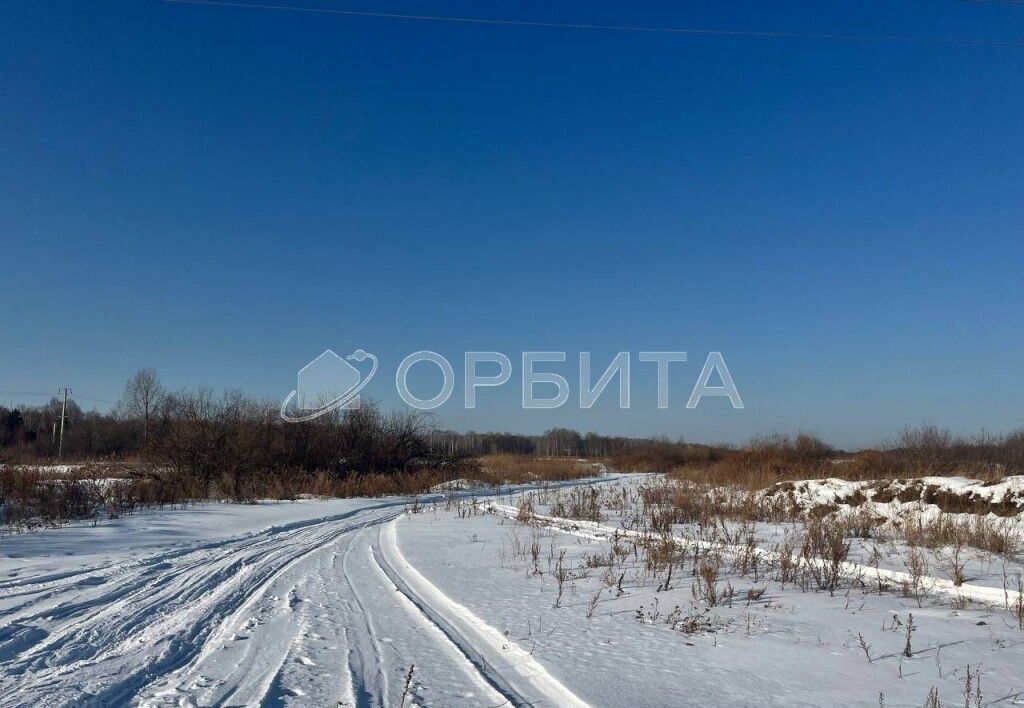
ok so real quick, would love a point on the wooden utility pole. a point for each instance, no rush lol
(63, 408)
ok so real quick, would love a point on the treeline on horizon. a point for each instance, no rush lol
(203, 438)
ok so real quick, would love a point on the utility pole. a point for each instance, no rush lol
(63, 408)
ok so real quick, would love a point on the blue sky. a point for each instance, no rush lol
(223, 193)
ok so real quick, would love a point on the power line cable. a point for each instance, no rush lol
(26, 393)
(51, 395)
(94, 399)
(960, 41)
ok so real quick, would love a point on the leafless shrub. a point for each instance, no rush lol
(696, 620)
(28, 499)
(865, 647)
(954, 562)
(562, 575)
(525, 514)
(917, 565)
(592, 605)
(876, 561)
(860, 524)
(743, 537)
(1018, 604)
(644, 616)
(789, 561)
(824, 552)
(661, 556)
(599, 560)
(534, 549)
(582, 504)
(998, 536)
(972, 688)
(705, 587)
(755, 594)
(909, 629)
(960, 602)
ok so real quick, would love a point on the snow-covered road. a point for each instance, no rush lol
(354, 602)
(321, 611)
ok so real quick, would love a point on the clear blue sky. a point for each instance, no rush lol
(223, 193)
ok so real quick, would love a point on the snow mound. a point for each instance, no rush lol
(948, 494)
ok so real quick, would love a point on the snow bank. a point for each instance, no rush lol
(893, 497)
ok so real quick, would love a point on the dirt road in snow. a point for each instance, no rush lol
(324, 612)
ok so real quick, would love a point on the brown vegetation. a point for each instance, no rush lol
(916, 452)
(521, 469)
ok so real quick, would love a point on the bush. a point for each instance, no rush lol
(237, 448)
(662, 456)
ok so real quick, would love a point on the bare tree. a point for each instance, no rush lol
(142, 394)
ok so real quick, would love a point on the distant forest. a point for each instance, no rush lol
(202, 435)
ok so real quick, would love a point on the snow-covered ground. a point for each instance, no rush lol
(450, 601)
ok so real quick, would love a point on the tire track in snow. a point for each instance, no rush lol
(495, 697)
(174, 609)
(506, 666)
(112, 635)
(364, 694)
(137, 574)
(272, 634)
(68, 578)
(256, 676)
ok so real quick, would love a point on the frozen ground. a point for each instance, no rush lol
(306, 603)
(360, 603)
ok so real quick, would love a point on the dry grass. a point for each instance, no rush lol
(946, 533)
(813, 554)
(942, 531)
(29, 497)
(916, 452)
(378, 485)
(582, 504)
(520, 469)
(719, 554)
(824, 551)
(657, 456)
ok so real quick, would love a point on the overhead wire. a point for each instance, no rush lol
(698, 31)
